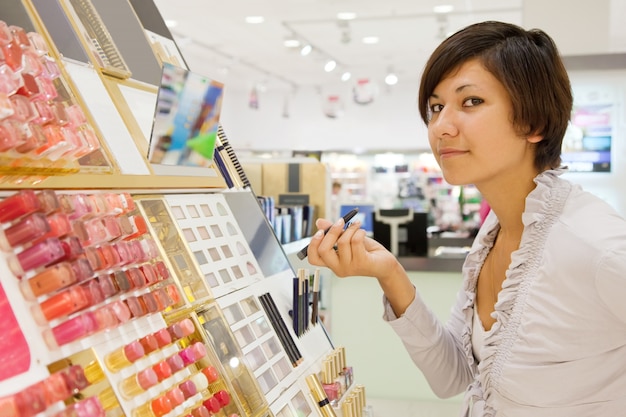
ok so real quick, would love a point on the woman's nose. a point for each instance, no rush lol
(444, 123)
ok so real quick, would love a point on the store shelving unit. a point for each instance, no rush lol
(183, 305)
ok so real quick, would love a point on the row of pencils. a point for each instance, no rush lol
(304, 297)
(227, 163)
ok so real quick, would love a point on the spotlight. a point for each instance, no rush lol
(330, 65)
(306, 49)
(346, 76)
(391, 79)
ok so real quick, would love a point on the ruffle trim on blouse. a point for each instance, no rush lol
(543, 206)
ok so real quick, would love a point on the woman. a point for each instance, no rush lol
(539, 327)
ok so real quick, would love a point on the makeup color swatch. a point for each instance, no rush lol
(216, 241)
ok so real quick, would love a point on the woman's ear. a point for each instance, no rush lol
(534, 138)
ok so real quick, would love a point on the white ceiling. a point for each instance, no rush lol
(215, 40)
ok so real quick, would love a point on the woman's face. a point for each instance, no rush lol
(470, 130)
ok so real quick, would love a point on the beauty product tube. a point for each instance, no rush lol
(124, 356)
(138, 383)
(317, 391)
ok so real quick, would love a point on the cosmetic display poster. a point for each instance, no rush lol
(186, 118)
(587, 142)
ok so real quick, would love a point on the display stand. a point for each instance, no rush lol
(124, 292)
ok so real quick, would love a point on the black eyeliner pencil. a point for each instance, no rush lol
(277, 328)
(281, 329)
(303, 252)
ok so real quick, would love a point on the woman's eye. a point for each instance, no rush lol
(436, 108)
(472, 102)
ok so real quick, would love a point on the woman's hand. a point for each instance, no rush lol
(349, 252)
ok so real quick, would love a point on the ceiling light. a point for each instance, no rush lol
(306, 49)
(370, 40)
(255, 19)
(346, 15)
(291, 43)
(346, 76)
(171, 23)
(330, 65)
(391, 79)
(443, 8)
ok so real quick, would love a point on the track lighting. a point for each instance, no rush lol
(330, 65)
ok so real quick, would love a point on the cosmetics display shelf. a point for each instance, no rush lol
(126, 293)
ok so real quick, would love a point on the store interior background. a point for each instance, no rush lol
(290, 116)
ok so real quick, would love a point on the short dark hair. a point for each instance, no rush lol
(529, 66)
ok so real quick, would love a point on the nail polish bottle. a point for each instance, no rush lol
(138, 383)
(73, 329)
(124, 356)
(19, 204)
(26, 230)
(331, 387)
(41, 254)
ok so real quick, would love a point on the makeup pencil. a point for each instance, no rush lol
(296, 306)
(316, 296)
(303, 252)
(280, 328)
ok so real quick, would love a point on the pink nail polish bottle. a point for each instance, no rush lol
(41, 254)
(29, 228)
